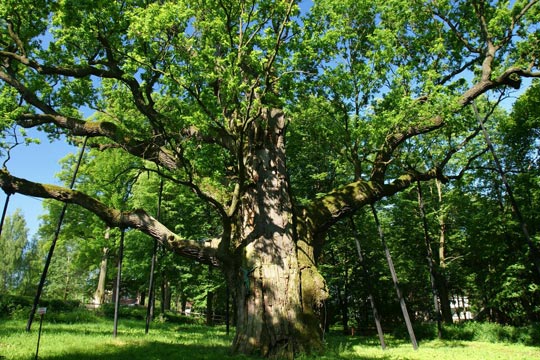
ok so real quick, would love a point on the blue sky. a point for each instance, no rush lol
(39, 163)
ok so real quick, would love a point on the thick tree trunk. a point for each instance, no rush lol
(274, 299)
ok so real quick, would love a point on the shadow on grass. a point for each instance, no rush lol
(173, 341)
(150, 350)
(163, 351)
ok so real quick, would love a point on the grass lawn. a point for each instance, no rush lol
(93, 340)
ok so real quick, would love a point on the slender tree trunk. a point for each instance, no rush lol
(99, 294)
(344, 308)
(68, 278)
(345, 305)
(151, 285)
(210, 308)
(431, 263)
(442, 283)
(342, 297)
(183, 302)
(165, 294)
(456, 306)
(141, 297)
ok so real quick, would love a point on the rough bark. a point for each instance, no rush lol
(269, 251)
(274, 302)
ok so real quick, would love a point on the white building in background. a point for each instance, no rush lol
(461, 309)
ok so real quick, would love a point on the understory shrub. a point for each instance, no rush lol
(18, 307)
(125, 312)
(476, 331)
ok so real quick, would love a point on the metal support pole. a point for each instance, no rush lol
(6, 203)
(41, 312)
(151, 302)
(395, 280)
(53, 244)
(376, 316)
(118, 281)
(39, 335)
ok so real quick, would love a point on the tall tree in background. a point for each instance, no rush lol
(204, 93)
(13, 243)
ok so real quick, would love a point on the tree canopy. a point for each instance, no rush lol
(282, 117)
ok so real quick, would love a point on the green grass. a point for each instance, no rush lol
(363, 348)
(65, 338)
(93, 340)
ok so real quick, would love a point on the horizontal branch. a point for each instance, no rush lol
(510, 77)
(204, 251)
(394, 140)
(145, 150)
(75, 71)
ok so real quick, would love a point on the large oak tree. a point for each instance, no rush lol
(205, 92)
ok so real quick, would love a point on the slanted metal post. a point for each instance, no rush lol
(395, 280)
(53, 244)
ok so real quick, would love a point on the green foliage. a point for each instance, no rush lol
(11, 305)
(18, 307)
(490, 332)
(176, 318)
(16, 250)
(125, 312)
(475, 331)
(522, 128)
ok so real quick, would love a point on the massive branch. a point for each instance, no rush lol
(323, 212)
(202, 251)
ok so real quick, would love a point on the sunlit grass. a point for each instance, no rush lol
(93, 340)
(357, 348)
